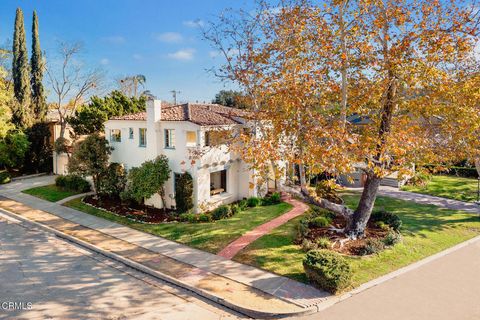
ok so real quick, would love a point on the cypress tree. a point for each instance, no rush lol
(39, 104)
(21, 113)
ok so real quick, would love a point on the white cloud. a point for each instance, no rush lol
(115, 39)
(477, 51)
(214, 53)
(137, 56)
(172, 37)
(104, 61)
(184, 54)
(194, 23)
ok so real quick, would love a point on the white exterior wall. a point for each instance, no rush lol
(198, 161)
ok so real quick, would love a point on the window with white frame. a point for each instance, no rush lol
(191, 138)
(169, 138)
(142, 137)
(116, 135)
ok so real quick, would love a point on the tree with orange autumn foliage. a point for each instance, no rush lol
(306, 67)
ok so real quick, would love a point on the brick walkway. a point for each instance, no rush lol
(233, 248)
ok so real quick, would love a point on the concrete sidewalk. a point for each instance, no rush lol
(427, 199)
(250, 288)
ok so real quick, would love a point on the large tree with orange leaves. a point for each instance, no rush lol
(306, 67)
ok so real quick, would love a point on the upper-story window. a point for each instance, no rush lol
(142, 137)
(191, 138)
(116, 135)
(215, 138)
(130, 133)
(169, 138)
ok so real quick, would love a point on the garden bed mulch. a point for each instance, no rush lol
(136, 212)
(340, 243)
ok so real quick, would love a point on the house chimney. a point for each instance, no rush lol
(154, 110)
(154, 115)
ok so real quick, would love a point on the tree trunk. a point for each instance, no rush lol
(63, 127)
(301, 173)
(357, 223)
(162, 196)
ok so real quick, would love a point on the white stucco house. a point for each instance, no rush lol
(187, 135)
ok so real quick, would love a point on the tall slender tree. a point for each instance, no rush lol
(39, 104)
(21, 113)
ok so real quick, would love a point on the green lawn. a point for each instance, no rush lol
(50, 193)
(463, 189)
(426, 230)
(211, 237)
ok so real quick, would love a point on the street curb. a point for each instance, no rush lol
(329, 302)
(137, 266)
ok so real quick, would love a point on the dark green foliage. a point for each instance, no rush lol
(40, 107)
(328, 190)
(243, 204)
(148, 179)
(392, 238)
(230, 98)
(72, 183)
(328, 270)
(463, 172)
(372, 246)
(13, 149)
(271, 200)
(184, 192)
(113, 180)
(4, 177)
(204, 217)
(253, 202)
(221, 212)
(320, 221)
(21, 109)
(91, 117)
(39, 155)
(90, 158)
(60, 145)
(389, 218)
(234, 208)
(317, 211)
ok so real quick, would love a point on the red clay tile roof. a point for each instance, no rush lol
(201, 114)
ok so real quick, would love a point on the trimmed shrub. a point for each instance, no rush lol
(4, 177)
(188, 217)
(308, 245)
(387, 217)
(382, 225)
(221, 212)
(317, 211)
(320, 221)
(204, 217)
(392, 238)
(242, 204)
(234, 209)
(303, 229)
(420, 179)
(184, 192)
(327, 270)
(372, 246)
(73, 183)
(271, 200)
(253, 202)
(323, 243)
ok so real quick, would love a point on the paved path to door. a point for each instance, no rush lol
(443, 289)
(243, 278)
(234, 247)
(427, 199)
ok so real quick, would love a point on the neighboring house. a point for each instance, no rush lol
(189, 136)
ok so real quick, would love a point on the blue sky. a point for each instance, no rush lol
(157, 38)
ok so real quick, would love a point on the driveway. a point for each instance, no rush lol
(444, 289)
(64, 281)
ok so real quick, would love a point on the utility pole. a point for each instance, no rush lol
(174, 93)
